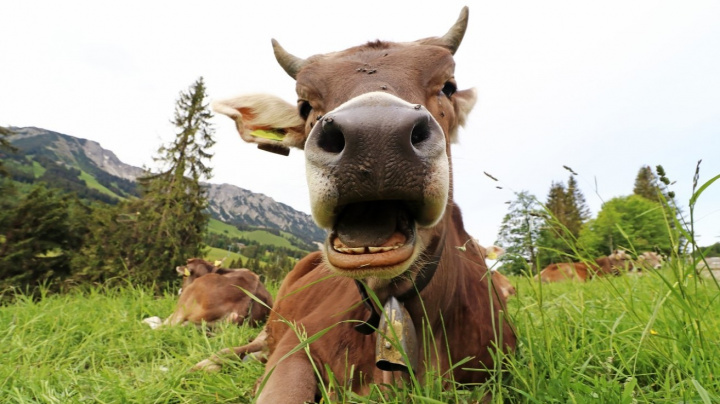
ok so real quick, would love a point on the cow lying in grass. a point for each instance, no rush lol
(211, 294)
(614, 264)
(648, 260)
(376, 122)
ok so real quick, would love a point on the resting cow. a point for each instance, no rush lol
(376, 122)
(648, 260)
(614, 264)
(211, 294)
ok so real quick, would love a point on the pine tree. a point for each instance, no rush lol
(576, 210)
(556, 202)
(646, 184)
(567, 212)
(174, 201)
(519, 233)
(41, 233)
(5, 147)
(146, 238)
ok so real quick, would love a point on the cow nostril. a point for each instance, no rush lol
(420, 133)
(332, 139)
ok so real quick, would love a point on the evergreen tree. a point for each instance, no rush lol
(518, 234)
(576, 209)
(40, 234)
(567, 211)
(646, 184)
(146, 238)
(7, 189)
(174, 201)
(5, 148)
(556, 202)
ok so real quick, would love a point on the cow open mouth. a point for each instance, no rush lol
(377, 235)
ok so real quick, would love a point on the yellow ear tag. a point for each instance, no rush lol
(187, 273)
(268, 134)
(217, 263)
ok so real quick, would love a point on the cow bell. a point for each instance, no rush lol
(396, 336)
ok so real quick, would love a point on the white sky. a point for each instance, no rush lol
(603, 87)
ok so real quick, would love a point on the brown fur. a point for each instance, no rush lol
(213, 294)
(457, 315)
(459, 303)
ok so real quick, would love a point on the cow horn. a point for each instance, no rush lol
(454, 36)
(290, 63)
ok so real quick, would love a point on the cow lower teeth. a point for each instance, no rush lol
(364, 250)
(374, 250)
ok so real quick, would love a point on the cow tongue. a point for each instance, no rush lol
(371, 224)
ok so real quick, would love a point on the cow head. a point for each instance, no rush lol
(376, 122)
(194, 269)
(649, 260)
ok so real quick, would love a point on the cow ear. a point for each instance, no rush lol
(465, 101)
(269, 121)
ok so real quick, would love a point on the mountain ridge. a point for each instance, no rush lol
(227, 202)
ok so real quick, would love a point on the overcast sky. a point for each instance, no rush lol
(603, 87)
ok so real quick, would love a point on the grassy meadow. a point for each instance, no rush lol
(628, 339)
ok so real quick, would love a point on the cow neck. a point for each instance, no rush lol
(423, 278)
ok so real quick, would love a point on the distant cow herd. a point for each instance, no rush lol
(614, 264)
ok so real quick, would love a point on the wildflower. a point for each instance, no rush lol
(653, 332)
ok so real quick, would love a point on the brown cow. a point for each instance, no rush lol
(376, 122)
(648, 260)
(613, 264)
(211, 294)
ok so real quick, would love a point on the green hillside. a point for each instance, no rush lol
(60, 162)
(218, 254)
(262, 237)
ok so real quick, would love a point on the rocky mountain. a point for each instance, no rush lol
(82, 153)
(240, 207)
(228, 203)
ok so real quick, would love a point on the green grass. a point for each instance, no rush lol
(93, 347)
(216, 226)
(650, 339)
(91, 182)
(213, 254)
(38, 169)
(261, 236)
(616, 340)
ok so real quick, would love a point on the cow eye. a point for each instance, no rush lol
(449, 89)
(304, 109)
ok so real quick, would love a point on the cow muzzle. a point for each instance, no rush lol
(378, 171)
